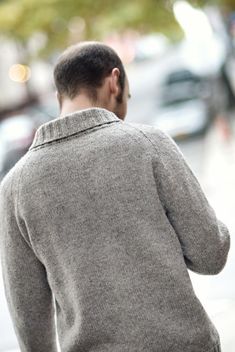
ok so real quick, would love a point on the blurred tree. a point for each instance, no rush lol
(229, 3)
(64, 22)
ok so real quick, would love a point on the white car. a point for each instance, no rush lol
(183, 119)
(16, 135)
(185, 106)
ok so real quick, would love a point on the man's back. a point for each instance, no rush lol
(109, 217)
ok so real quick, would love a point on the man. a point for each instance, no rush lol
(100, 221)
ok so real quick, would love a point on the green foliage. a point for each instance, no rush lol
(20, 19)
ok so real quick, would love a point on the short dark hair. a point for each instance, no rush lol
(84, 66)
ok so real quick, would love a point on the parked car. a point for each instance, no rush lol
(185, 105)
(16, 135)
(17, 132)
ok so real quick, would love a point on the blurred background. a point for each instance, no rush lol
(180, 60)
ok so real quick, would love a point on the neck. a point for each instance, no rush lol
(79, 103)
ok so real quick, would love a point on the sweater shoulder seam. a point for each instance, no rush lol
(138, 129)
(18, 190)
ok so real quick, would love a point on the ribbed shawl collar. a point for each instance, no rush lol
(71, 124)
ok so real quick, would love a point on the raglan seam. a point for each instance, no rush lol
(174, 148)
(154, 145)
(29, 240)
(145, 135)
(218, 344)
(191, 172)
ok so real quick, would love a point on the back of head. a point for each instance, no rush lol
(84, 66)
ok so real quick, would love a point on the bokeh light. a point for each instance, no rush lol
(19, 73)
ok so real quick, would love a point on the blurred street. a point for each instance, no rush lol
(213, 162)
(212, 158)
(186, 87)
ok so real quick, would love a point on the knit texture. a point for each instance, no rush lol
(99, 223)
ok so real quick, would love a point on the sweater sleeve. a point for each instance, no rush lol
(28, 295)
(204, 239)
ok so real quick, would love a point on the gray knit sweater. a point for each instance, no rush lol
(99, 222)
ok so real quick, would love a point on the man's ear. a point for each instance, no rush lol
(59, 98)
(114, 81)
(57, 95)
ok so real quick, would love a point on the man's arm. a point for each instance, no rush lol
(204, 239)
(28, 294)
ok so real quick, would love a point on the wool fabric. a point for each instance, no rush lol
(99, 223)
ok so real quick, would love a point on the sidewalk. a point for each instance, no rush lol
(217, 293)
